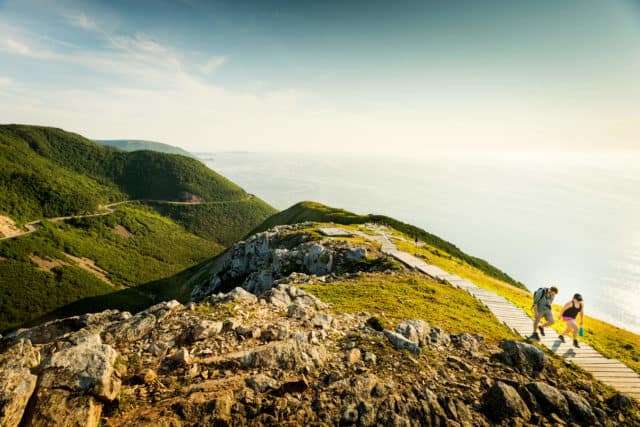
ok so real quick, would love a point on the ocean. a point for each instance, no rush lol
(564, 219)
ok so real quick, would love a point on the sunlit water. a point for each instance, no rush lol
(570, 221)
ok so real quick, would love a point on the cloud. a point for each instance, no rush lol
(81, 20)
(5, 81)
(213, 64)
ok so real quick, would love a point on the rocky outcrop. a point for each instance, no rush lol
(502, 402)
(523, 357)
(259, 262)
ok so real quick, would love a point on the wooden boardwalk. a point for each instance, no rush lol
(609, 371)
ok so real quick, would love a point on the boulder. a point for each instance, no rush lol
(523, 357)
(620, 402)
(439, 338)
(300, 311)
(87, 366)
(580, 408)
(502, 402)
(318, 260)
(549, 398)
(62, 408)
(356, 254)
(262, 383)
(400, 342)
(416, 331)
(205, 329)
(322, 320)
(16, 388)
(465, 342)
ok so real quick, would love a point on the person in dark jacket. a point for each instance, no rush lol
(570, 311)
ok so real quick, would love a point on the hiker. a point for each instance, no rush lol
(542, 301)
(569, 313)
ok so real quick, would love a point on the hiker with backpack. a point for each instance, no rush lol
(542, 301)
(569, 313)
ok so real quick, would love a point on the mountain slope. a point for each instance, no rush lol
(139, 145)
(48, 173)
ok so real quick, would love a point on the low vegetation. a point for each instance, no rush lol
(404, 295)
(156, 250)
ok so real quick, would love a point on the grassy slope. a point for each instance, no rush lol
(48, 172)
(408, 296)
(138, 145)
(158, 249)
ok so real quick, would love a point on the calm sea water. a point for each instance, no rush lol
(573, 221)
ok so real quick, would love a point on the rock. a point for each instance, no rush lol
(206, 329)
(279, 297)
(620, 402)
(318, 260)
(182, 357)
(300, 311)
(356, 254)
(248, 332)
(465, 342)
(61, 408)
(87, 366)
(438, 337)
(416, 331)
(503, 402)
(289, 354)
(580, 408)
(366, 414)
(349, 415)
(549, 398)
(231, 324)
(400, 342)
(16, 387)
(369, 357)
(322, 320)
(353, 356)
(262, 383)
(237, 295)
(524, 357)
(158, 349)
(147, 376)
(20, 354)
(294, 384)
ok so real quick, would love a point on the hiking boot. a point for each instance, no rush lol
(535, 336)
(575, 344)
(541, 329)
(561, 338)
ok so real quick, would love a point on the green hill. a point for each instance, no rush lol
(317, 212)
(139, 145)
(47, 173)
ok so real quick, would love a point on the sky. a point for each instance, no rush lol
(328, 76)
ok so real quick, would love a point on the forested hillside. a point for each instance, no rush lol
(138, 145)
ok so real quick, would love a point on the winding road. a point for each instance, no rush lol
(32, 227)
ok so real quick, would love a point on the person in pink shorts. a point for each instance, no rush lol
(569, 313)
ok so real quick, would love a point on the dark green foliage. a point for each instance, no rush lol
(47, 172)
(158, 249)
(312, 211)
(138, 145)
(222, 223)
